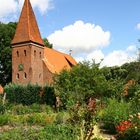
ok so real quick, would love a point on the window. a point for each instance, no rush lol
(35, 53)
(17, 76)
(25, 75)
(30, 71)
(25, 53)
(17, 54)
(40, 54)
(40, 75)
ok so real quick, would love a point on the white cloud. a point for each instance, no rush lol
(86, 40)
(131, 48)
(138, 26)
(80, 37)
(115, 58)
(9, 9)
(96, 55)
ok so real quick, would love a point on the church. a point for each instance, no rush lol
(32, 61)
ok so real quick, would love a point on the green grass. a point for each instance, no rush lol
(35, 122)
(50, 132)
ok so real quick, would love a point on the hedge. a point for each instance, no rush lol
(29, 94)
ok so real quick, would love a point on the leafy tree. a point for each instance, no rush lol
(7, 32)
(133, 71)
(84, 81)
(47, 43)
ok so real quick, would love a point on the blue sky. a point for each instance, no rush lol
(120, 17)
(117, 37)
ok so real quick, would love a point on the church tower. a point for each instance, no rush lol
(27, 49)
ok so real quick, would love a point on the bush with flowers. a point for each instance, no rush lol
(130, 129)
(114, 113)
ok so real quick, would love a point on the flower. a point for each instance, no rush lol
(123, 126)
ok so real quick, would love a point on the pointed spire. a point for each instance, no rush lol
(27, 28)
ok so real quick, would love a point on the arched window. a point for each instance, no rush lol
(40, 54)
(17, 76)
(25, 75)
(40, 75)
(30, 71)
(35, 53)
(25, 53)
(17, 54)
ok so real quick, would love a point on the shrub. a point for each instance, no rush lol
(114, 113)
(2, 109)
(36, 118)
(23, 94)
(50, 132)
(130, 130)
(86, 80)
(20, 109)
(62, 117)
(48, 95)
(24, 134)
(4, 119)
(61, 132)
(130, 134)
(29, 94)
(136, 100)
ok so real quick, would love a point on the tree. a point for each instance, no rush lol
(47, 43)
(7, 32)
(83, 81)
(133, 71)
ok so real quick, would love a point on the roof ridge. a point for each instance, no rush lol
(57, 51)
(28, 19)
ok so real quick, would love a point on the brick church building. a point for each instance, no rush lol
(32, 61)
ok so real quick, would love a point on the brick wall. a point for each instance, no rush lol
(47, 75)
(27, 65)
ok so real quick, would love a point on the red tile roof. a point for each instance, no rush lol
(57, 61)
(27, 28)
(1, 89)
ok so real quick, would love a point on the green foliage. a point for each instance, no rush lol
(132, 69)
(133, 96)
(23, 94)
(75, 87)
(29, 94)
(7, 32)
(36, 119)
(50, 132)
(20, 109)
(47, 43)
(114, 72)
(86, 80)
(114, 113)
(136, 101)
(4, 119)
(62, 118)
(48, 95)
(61, 132)
(2, 107)
(131, 134)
